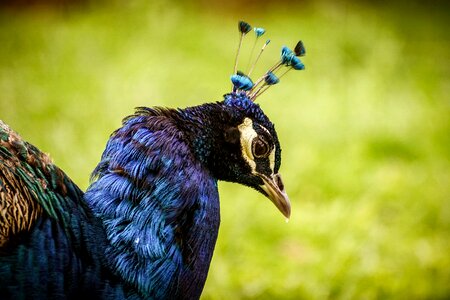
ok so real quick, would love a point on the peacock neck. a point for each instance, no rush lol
(160, 209)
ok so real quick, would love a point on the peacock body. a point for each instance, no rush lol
(148, 223)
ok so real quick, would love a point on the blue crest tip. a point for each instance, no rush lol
(271, 78)
(244, 27)
(259, 31)
(297, 64)
(289, 58)
(241, 82)
(286, 56)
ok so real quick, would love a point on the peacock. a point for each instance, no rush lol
(147, 225)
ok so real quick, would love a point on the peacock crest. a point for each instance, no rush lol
(242, 82)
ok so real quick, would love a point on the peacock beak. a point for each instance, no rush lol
(274, 188)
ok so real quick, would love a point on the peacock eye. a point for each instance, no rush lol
(260, 147)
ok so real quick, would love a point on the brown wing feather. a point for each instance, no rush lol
(18, 206)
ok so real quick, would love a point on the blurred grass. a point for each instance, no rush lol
(365, 130)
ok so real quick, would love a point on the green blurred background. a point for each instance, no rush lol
(365, 128)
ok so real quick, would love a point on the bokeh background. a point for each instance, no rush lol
(365, 128)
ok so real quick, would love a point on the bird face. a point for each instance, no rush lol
(261, 151)
(238, 143)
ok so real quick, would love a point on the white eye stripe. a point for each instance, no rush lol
(248, 134)
(272, 159)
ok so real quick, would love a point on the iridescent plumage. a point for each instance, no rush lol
(147, 225)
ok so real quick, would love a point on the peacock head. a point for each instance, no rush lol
(248, 150)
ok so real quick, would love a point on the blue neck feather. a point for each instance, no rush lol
(159, 206)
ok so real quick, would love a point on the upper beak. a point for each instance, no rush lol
(274, 188)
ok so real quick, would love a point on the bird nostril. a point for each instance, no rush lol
(279, 182)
